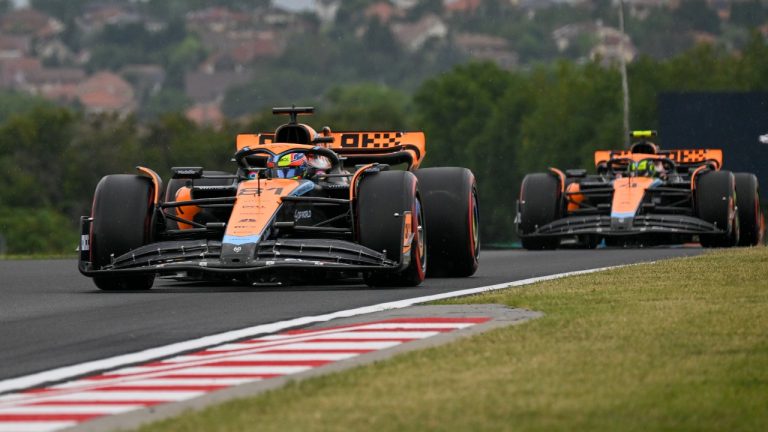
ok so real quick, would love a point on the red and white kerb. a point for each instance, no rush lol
(191, 375)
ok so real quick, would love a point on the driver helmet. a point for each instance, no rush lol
(644, 168)
(290, 166)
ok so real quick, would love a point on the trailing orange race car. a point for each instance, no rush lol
(301, 206)
(644, 196)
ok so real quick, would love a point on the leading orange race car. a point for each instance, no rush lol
(302, 206)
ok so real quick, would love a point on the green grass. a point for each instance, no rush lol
(679, 345)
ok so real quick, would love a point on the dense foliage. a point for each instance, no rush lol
(501, 124)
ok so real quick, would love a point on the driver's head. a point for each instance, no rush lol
(644, 168)
(289, 166)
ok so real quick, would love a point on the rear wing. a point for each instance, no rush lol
(389, 147)
(684, 158)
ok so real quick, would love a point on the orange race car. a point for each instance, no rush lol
(643, 196)
(301, 206)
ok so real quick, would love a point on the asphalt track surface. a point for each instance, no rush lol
(51, 316)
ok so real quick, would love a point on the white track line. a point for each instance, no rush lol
(70, 409)
(222, 370)
(268, 357)
(41, 426)
(377, 335)
(66, 372)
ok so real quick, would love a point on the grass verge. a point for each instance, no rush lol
(678, 345)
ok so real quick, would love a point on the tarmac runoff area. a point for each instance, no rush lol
(131, 396)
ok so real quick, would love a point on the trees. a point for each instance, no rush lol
(365, 106)
(750, 13)
(501, 124)
(471, 118)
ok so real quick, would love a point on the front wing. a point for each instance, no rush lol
(203, 257)
(650, 224)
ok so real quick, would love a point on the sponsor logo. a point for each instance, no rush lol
(302, 214)
(371, 140)
(212, 187)
(250, 191)
(240, 240)
(258, 191)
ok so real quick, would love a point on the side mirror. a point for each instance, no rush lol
(576, 173)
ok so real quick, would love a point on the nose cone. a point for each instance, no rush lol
(628, 193)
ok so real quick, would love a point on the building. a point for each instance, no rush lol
(106, 92)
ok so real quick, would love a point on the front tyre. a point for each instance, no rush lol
(389, 210)
(540, 204)
(122, 221)
(716, 204)
(453, 217)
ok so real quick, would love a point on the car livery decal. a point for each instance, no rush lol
(628, 193)
(256, 205)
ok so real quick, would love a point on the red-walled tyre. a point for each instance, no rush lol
(383, 200)
(749, 211)
(452, 218)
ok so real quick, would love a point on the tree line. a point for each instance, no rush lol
(501, 124)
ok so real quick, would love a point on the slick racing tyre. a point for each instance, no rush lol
(748, 208)
(383, 200)
(452, 215)
(122, 221)
(540, 204)
(716, 204)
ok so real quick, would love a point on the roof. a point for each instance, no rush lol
(485, 47)
(14, 71)
(461, 5)
(217, 18)
(206, 114)
(106, 91)
(14, 46)
(382, 10)
(30, 22)
(414, 35)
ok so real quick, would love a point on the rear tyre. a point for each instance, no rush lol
(122, 221)
(382, 201)
(716, 204)
(540, 204)
(452, 219)
(748, 209)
